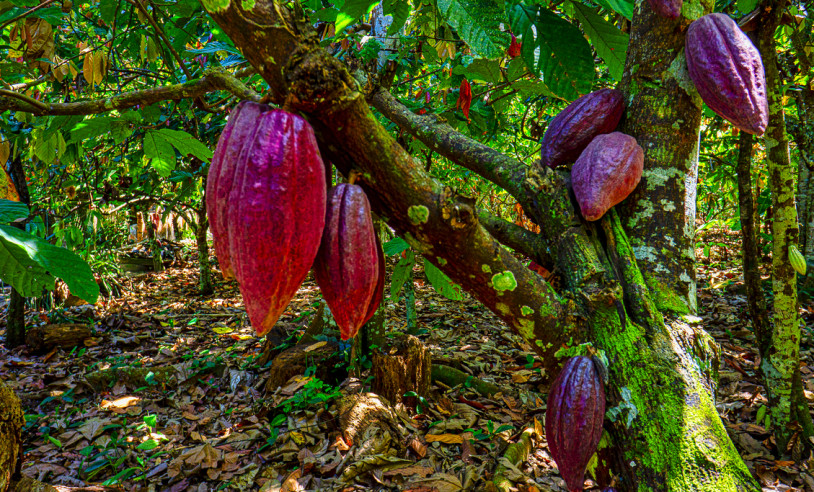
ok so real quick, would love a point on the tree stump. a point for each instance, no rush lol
(68, 335)
(294, 361)
(11, 425)
(405, 366)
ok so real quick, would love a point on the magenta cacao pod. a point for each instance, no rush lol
(575, 126)
(275, 214)
(574, 415)
(347, 267)
(727, 70)
(238, 130)
(667, 8)
(606, 172)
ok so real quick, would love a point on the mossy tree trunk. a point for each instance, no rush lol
(780, 353)
(664, 114)
(15, 324)
(675, 439)
(802, 130)
(204, 268)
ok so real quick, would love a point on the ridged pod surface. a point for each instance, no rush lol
(575, 126)
(798, 261)
(347, 268)
(275, 214)
(727, 70)
(238, 131)
(667, 8)
(574, 415)
(606, 172)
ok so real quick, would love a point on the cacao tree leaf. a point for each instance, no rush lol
(30, 264)
(609, 42)
(624, 7)
(554, 49)
(90, 128)
(160, 152)
(351, 11)
(395, 246)
(187, 144)
(88, 67)
(401, 272)
(442, 284)
(400, 10)
(481, 69)
(7, 189)
(747, 6)
(478, 23)
(11, 211)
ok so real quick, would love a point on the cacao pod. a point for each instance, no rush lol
(573, 422)
(606, 172)
(347, 267)
(667, 8)
(798, 261)
(727, 70)
(235, 134)
(575, 126)
(275, 214)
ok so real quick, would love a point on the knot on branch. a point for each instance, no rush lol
(458, 210)
(318, 81)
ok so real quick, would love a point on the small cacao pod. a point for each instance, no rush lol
(606, 172)
(347, 267)
(667, 8)
(727, 70)
(798, 261)
(235, 134)
(575, 126)
(514, 48)
(573, 421)
(275, 214)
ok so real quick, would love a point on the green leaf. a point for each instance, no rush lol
(92, 127)
(478, 23)
(442, 284)
(554, 49)
(401, 272)
(609, 42)
(624, 7)
(351, 11)
(400, 10)
(30, 264)
(148, 445)
(187, 144)
(482, 70)
(160, 152)
(11, 211)
(395, 246)
(747, 6)
(45, 149)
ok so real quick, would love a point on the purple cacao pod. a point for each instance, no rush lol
(667, 8)
(347, 266)
(727, 70)
(606, 172)
(575, 126)
(275, 214)
(573, 421)
(236, 133)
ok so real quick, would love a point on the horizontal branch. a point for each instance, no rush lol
(516, 237)
(431, 130)
(211, 82)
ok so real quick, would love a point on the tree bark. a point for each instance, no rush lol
(204, 268)
(780, 356)
(15, 326)
(675, 439)
(11, 426)
(664, 115)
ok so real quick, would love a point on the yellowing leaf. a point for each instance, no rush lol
(315, 346)
(99, 67)
(444, 438)
(222, 330)
(87, 68)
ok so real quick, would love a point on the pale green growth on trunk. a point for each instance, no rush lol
(419, 214)
(215, 5)
(504, 281)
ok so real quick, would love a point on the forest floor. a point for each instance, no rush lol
(167, 395)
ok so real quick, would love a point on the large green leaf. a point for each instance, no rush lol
(401, 272)
(478, 23)
(11, 211)
(554, 49)
(351, 11)
(609, 42)
(30, 264)
(400, 10)
(158, 146)
(624, 7)
(482, 70)
(443, 285)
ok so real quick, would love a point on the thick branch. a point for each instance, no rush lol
(516, 237)
(495, 166)
(213, 81)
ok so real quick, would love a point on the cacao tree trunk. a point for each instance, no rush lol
(11, 426)
(780, 353)
(666, 432)
(15, 325)
(749, 233)
(204, 269)
(664, 115)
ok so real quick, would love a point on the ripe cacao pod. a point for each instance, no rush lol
(347, 267)
(798, 261)
(606, 172)
(575, 126)
(275, 214)
(573, 422)
(727, 70)
(235, 134)
(667, 8)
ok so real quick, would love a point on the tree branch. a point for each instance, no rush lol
(518, 238)
(211, 82)
(495, 166)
